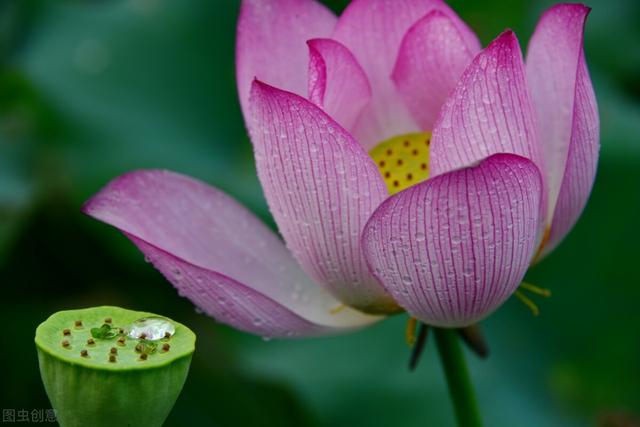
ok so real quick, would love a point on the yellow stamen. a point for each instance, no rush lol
(403, 160)
(410, 332)
(535, 289)
(543, 242)
(532, 306)
(337, 309)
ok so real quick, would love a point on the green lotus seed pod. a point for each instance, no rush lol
(107, 366)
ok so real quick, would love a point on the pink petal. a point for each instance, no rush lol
(373, 30)
(566, 112)
(271, 43)
(218, 255)
(488, 112)
(321, 187)
(582, 161)
(433, 55)
(337, 83)
(452, 249)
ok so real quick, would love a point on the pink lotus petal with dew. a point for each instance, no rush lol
(406, 168)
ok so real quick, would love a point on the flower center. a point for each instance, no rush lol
(403, 160)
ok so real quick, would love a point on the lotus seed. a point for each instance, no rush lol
(84, 353)
(90, 341)
(114, 350)
(143, 356)
(167, 335)
(108, 320)
(65, 344)
(143, 336)
(166, 347)
(139, 348)
(66, 332)
(121, 341)
(78, 323)
(112, 358)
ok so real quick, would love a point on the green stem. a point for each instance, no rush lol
(458, 381)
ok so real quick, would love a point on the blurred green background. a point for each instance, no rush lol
(92, 89)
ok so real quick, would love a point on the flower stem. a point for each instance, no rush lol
(458, 381)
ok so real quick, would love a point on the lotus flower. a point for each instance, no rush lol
(406, 169)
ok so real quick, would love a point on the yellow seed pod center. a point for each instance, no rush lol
(403, 160)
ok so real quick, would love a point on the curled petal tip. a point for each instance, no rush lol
(569, 7)
(566, 14)
(436, 13)
(93, 207)
(506, 38)
(506, 42)
(257, 85)
(312, 43)
(260, 89)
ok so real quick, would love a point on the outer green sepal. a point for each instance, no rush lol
(90, 383)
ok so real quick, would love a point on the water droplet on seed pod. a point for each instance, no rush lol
(151, 328)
